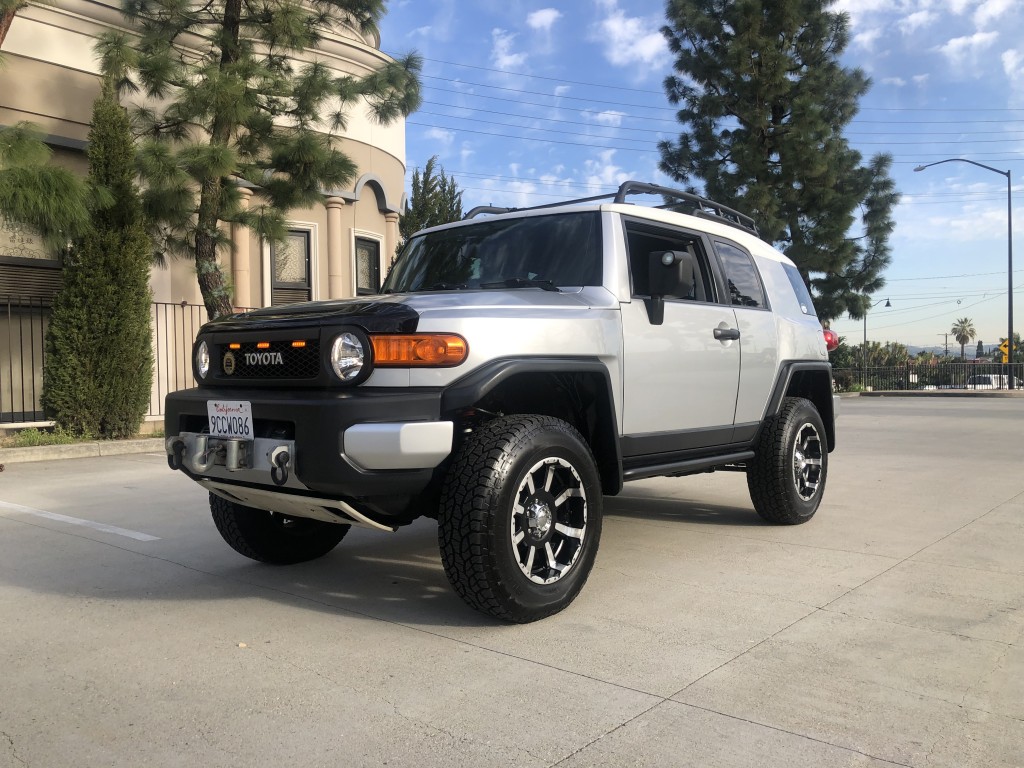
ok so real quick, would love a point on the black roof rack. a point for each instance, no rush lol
(695, 205)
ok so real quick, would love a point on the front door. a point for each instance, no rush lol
(680, 381)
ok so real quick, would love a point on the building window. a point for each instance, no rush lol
(367, 266)
(28, 268)
(290, 264)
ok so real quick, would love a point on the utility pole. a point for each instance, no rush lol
(946, 335)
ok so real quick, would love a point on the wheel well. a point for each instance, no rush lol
(581, 398)
(816, 385)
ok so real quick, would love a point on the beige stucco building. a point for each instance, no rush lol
(340, 248)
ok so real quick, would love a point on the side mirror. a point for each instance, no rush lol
(672, 274)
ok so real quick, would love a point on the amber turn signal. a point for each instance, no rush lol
(421, 350)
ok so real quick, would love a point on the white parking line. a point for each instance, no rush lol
(7, 506)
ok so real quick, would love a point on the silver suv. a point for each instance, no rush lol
(515, 369)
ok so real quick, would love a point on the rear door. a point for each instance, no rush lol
(759, 339)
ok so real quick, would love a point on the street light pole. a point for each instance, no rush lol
(864, 347)
(1009, 253)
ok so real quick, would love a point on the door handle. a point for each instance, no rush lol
(727, 334)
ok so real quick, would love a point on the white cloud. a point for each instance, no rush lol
(899, 82)
(603, 174)
(867, 38)
(609, 117)
(920, 79)
(630, 40)
(441, 135)
(908, 25)
(1013, 64)
(501, 51)
(962, 52)
(561, 90)
(991, 10)
(543, 19)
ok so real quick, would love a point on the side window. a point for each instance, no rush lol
(644, 239)
(744, 284)
(803, 296)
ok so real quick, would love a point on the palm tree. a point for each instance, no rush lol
(963, 331)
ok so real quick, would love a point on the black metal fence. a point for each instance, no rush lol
(941, 374)
(23, 324)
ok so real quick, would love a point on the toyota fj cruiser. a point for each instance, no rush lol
(514, 370)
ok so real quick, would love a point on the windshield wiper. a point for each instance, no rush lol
(522, 282)
(445, 287)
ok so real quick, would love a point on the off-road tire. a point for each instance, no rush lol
(791, 457)
(478, 523)
(273, 538)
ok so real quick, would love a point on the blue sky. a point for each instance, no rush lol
(533, 101)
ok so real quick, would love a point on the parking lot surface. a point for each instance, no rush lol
(887, 631)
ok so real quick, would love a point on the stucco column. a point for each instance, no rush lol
(390, 241)
(240, 257)
(336, 288)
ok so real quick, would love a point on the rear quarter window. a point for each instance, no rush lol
(803, 296)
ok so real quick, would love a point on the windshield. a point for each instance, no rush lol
(562, 249)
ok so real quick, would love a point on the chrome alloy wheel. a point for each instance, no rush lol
(549, 520)
(807, 461)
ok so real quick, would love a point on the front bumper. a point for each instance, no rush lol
(355, 446)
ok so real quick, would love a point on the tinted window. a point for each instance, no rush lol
(803, 296)
(564, 248)
(744, 284)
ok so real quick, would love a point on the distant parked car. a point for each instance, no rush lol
(992, 381)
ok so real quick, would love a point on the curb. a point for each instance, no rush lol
(81, 450)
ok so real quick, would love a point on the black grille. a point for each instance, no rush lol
(279, 360)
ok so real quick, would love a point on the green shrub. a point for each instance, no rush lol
(99, 361)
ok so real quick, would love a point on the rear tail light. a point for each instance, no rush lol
(831, 338)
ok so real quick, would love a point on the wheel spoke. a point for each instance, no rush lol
(529, 484)
(528, 565)
(550, 477)
(572, 533)
(568, 494)
(813, 462)
(518, 536)
(552, 563)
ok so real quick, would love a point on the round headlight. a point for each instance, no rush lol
(347, 356)
(202, 359)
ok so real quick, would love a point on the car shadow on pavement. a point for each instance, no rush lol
(641, 507)
(378, 576)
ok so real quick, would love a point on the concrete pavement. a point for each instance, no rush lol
(887, 631)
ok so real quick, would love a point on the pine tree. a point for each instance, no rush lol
(436, 199)
(764, 101)
(99, 359)
(51, 200)
(227, 100)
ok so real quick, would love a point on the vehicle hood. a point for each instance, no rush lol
(400, 313)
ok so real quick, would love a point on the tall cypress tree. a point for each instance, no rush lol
(99, 360)
(227, 99)
(764, 101)
(436, 199)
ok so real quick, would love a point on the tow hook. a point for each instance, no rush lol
(176, 453)
(279, 460)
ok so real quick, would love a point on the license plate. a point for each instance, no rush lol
(230, 418)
